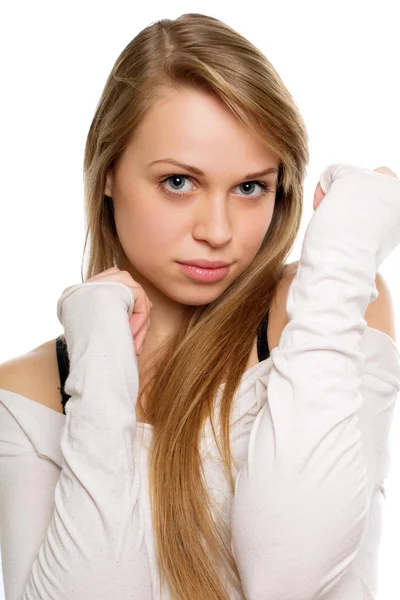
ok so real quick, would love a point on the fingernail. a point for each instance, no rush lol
(148, 322)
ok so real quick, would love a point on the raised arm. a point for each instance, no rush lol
(301, 497)
(92, 533)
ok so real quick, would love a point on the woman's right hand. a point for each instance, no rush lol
(140, 320)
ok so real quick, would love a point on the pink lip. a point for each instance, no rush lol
(205, 264)
(204, 274)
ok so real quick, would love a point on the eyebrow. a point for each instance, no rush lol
(201, 174)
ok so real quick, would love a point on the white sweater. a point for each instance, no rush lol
(310, 427)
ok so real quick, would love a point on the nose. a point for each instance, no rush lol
(213, 221)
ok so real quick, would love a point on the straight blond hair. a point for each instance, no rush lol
(213, 342)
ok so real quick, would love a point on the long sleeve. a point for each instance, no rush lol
(302, 494)
(92, 540)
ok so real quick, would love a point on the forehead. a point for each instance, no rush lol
(196, 127)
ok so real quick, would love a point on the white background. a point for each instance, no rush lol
(340, 61)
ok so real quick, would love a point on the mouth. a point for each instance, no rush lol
(204, 274)
(205, 264)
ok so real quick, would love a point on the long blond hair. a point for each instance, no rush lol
(213, 342)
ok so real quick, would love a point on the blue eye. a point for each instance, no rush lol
(162, 181)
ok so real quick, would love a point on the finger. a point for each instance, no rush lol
(137, 321)
(142, 302)
(318, 196)
(386, 171)
(140, 317)
(140, 336)
(140, 328)
(148, 306)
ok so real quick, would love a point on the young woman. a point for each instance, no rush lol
(180, 458)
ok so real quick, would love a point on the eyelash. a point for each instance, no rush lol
(265, 187)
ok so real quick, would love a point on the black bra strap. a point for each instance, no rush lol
(262, 342)
(63, 367)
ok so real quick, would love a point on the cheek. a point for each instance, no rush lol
(141, 227)
(253, 230)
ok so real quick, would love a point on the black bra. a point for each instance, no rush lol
(63, 360)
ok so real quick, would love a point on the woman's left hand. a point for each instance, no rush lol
(319, 194)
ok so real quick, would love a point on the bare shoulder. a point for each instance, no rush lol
(277, 316)
(34, 375)
(379, 314)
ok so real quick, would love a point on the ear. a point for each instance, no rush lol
(108, 186)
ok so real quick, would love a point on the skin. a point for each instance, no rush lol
(319, 194)
(218, 218)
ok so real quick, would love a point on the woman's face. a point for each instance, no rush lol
(219, 214)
